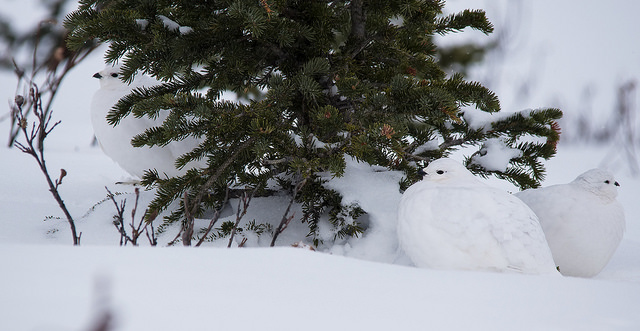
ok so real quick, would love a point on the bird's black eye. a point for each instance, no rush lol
(440, 172)
(607, 182)
(114, 75)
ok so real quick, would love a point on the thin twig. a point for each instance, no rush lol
(146, 219)
(119, 218)
(41, 130)
(135, 231)
(284, 222)
(53, 79)
(215, 218)
(43, 119)
(242, 242)
(173, 242)
(246, 199)
(153, 241)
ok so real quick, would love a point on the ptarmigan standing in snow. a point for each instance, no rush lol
(451, 220)
(116, 141)
(582, 221)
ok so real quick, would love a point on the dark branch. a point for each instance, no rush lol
(215, 218)
(358, 18)
(286, 219)
(40, 130)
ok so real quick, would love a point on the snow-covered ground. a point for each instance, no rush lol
(357, 284)
(68, 288)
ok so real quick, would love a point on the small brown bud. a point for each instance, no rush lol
(19, 100)
(62, 174)
(59, 54)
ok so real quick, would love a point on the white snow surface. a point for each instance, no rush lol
(46, 284)
(66, 288)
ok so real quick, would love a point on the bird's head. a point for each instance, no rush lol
(600, 182)
(109, 77)
(445, 170)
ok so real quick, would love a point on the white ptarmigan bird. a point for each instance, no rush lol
(115, 141)
(451, 220)
(582, 221)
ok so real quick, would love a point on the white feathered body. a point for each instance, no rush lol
(115, 141)
(583, 226)
(461, 223)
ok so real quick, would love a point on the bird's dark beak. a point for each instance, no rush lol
(616, 184)
(97, 75)
(421, 173)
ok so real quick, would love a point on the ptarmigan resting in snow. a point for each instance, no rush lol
(451, 220)
(582, 221)
(116, 141)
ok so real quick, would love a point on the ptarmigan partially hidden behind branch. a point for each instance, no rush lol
(582, 221)
(115, 141)
(451, 220)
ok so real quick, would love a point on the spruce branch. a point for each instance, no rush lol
(475, 19)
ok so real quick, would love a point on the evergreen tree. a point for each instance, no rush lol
(357, 78)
